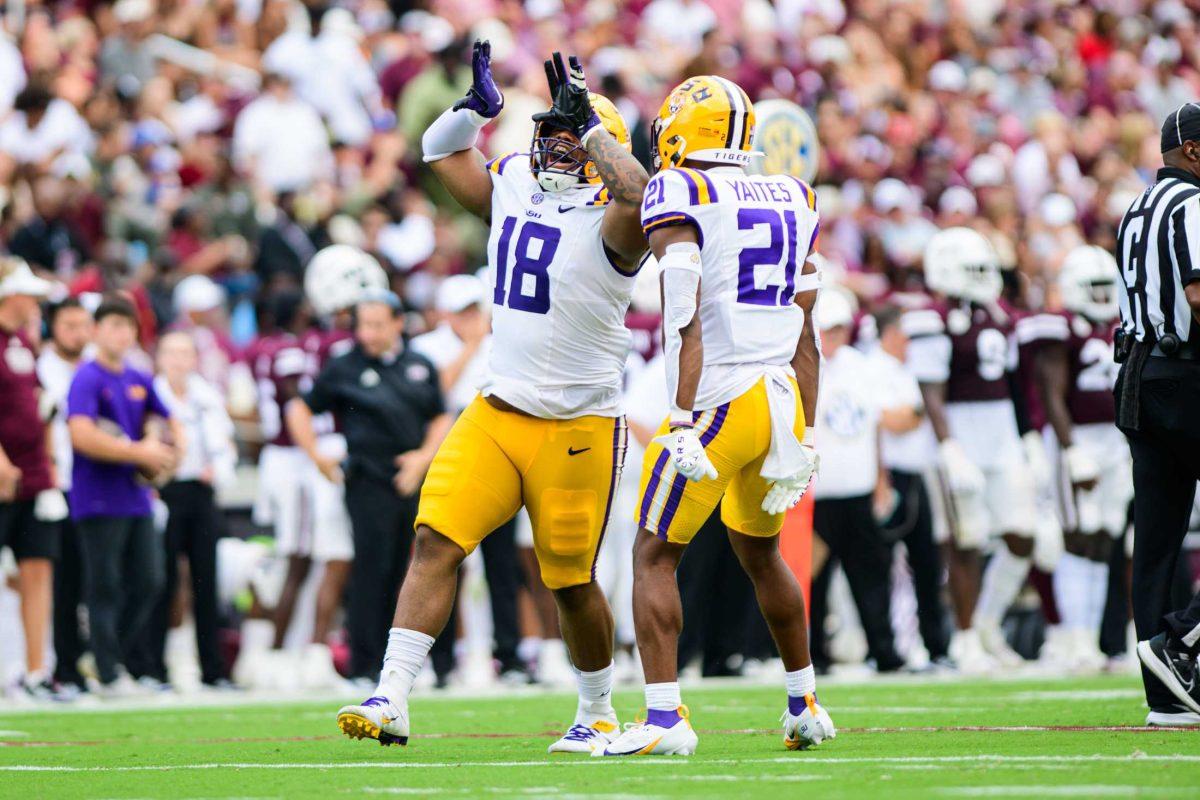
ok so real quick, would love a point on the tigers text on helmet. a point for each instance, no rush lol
(705, 118)
(961, 263)
(1088, 281)
(561, 164)
(338, 275)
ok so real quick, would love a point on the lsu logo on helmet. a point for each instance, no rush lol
(705, 118)
(559, 164)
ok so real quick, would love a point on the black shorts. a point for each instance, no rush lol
(25, 535)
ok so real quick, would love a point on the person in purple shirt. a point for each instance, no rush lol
(108, 406)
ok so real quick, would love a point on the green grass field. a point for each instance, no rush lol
(897, 739)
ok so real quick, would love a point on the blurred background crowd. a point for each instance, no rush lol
(195, 154)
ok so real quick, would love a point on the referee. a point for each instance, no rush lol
(1158, 394)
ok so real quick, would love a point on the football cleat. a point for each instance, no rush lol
(994, 643)
(809, 728)
(645, 739)
(377, 718)
(587, 738)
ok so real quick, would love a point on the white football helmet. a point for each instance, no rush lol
(1088, 280)
(961, 263)
(338, 275)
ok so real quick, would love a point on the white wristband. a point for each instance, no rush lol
(679, 417)
(809, 436)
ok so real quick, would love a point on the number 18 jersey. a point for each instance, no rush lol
(559, 301)
(755, 232)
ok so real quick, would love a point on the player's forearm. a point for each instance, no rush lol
(806, 363)
(299, 419)
(935, 408)
(689, 366)
(621, 173)
(899, 420)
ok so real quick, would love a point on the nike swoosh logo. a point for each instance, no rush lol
(564, 209)
(573, 452)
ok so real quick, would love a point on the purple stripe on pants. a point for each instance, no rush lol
(680, 482)
(652, 486)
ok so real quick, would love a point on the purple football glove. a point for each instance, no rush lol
(484, 97)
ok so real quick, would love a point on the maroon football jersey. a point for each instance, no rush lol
(982, 352)
(1093, 371)
(22, 432)
(1031, 333)
(321, 345)
(278, 360)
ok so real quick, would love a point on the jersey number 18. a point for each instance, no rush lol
(532, 255)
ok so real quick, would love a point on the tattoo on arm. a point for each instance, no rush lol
(624, 177)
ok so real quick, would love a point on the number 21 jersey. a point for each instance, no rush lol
(755, 233)
(559, 301)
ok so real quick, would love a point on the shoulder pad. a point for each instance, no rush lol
(500, 162)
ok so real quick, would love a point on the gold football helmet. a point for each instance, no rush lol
(705, 118)
(560, 164)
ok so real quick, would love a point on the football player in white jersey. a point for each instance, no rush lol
(546, 430)
(742, 362)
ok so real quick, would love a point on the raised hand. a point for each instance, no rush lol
(484, 97)
(571, 108)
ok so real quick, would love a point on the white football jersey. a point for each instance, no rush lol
(558, 316)
(755, 233)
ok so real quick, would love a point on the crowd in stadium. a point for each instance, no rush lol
(175, 166)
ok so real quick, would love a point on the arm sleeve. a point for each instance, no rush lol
(82, 398)
(322, 396)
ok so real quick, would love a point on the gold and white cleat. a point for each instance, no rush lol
(809, 728)
(377, 718)
(588, 737)
(648, 739)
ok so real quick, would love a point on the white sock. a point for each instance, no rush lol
(1072, 590)
(801, 682)
(402, 662)
(663, 696)
(1002, 581)
(595, 691)
(1099, 599)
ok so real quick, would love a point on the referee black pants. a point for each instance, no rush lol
(914, 520)
(382, 524)
(1166, 466)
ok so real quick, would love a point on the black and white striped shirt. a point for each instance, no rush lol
(1158, 250)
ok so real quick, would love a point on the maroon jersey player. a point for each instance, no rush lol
(1077, 372)
(963, 352)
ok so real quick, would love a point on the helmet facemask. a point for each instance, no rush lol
(982, 282)
(560, 163)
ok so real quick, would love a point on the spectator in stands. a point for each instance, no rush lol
(279, 142)
(116, 453)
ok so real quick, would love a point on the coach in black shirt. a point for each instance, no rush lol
(1158, 398)
(389, 405)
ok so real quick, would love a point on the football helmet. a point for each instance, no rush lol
(1088, 281)
(562, 164)
(961, 263)
(705, 118)
(338, 275)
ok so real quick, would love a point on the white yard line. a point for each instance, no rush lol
(1067, 790)
(996, 759)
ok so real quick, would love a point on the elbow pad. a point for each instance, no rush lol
(681, 278)
(452, 132)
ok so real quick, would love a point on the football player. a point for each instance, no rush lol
(963, 352)
(1077, 372)
(741, 363)
(546, 431)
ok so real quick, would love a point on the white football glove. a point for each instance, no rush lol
(1080, 465)
(786, 492)
(1035, 457)
(963, 476)
(688, 454)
